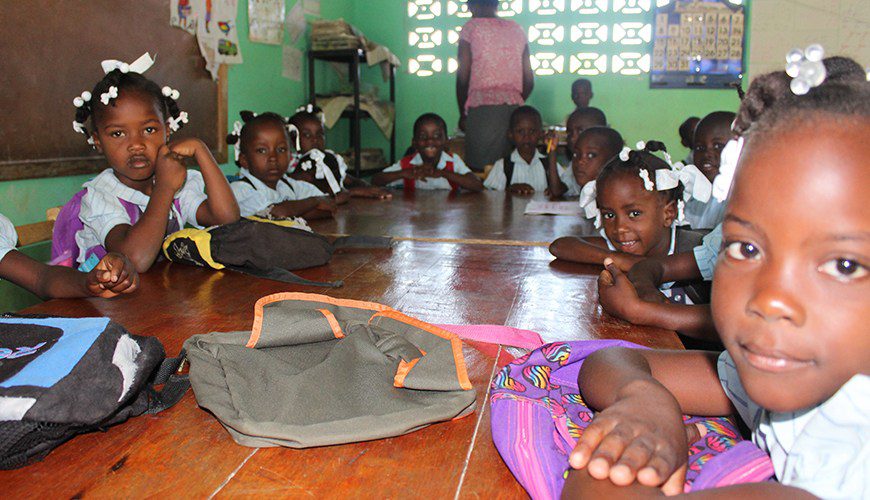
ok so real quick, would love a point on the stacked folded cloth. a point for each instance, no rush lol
(334, 35)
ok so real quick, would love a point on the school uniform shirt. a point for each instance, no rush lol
(533, 174)
(824, 450)
(8, 236)
(101, 211)
(566, 175)
(256, 196)
(707, 252)
(702, 215)
(459, 168)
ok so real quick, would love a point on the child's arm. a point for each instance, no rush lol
(619, 298)
(648, 274)
(114, 275)
(590, 250)
(467, 181)
(386, 177)
(220, 207)
(528, 74)
(555, 185)
(359, 188)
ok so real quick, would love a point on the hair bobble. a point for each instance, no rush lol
(79, 127)
(175, 123)
(806, 68)
(112, 93)
(170, 92)
(625, 154)
(681, 211)
(234, 136)
(308, 108)
(647, 183)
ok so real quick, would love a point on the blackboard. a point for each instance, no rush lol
(51, 52)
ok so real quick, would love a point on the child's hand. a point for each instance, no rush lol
(521, 189)
(186, 148)
(371, 192)
(639, 438)
(552, 142)
(113, 275)
(616, 293)
(342, 197)
(327, 205)
(170, 170)
(422, 172)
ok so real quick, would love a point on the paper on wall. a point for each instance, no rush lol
(312, 7)
(266, 21)
(291, 59)
(217, 33)
(295, 22)
(182, 15)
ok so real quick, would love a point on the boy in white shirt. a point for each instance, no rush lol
(524, 171)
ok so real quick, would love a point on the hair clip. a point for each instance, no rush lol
(175, 123)
(647, 183)
(587, 202)
(112, 93)
(171, 93)
(806, 68)
(140, 65)
(624, 154)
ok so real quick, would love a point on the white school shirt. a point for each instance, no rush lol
(707, 252)
(533, 174)
(701, 215)
(459, 168)
(8, 236)
(824, 450)
(101, 211)
(259, 196)
(566, 175)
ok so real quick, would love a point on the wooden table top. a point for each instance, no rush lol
(185, 451)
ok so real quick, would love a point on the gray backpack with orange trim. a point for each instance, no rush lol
(316, 371)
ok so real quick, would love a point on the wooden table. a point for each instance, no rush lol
(185, 452)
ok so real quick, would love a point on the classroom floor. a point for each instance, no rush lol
(185, 451)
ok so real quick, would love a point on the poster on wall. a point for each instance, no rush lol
(217, 34)
(182, 15)
(266, 21)
(698, 44)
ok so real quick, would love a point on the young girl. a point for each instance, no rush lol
(791, 301)
(592, 149)
(711, 135)
(263, 155)
(113, 275)
(311, 141)
(131, 119)
(431, 167)
(637, 212)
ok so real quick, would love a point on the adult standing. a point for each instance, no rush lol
(494, 78)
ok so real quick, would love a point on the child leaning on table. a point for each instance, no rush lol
(113, 275)
(791, 302)
(147, 193)
(429, 166)
(262, 146)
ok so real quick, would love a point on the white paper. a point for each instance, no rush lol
(552, 208)
(266, 21)
(183, 15)
(295, 22)
(217, 33)
(312, 7)
(291, 67)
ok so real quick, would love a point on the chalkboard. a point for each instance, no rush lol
(51, 53)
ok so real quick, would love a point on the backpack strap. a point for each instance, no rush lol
(410, 184)
(508, 170)
(175, 385)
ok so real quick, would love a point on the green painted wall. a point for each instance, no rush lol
(631, 107)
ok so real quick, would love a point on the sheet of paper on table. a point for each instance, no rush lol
(552, 208)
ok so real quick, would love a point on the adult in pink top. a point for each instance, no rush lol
(494, 78)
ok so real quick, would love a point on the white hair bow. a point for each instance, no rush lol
(588, 203)
(322, 170)
(140, 65)
(727, 168)
(237, 131)
(695, 184)
(291, 129)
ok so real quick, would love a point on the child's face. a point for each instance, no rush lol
(267, 156)
(709, 140)
(129, 134)
(590, 156)
(576, 124)
(791, 293)
(635, 220)
(429, 140)
(311, 136)
(525, 135)
(581, 95)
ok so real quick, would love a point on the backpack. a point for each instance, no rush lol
(64, 249)
(538, 414)
(60, 377)
(411, 184)
(260, 247)
(316, 371)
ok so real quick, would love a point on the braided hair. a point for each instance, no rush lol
(242, 137)
(638, 160)
(129, 82)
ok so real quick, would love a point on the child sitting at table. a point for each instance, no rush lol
(262, 147)
(593, 148)
(430, 167)
(147, 193)
(791, 301)
(711, 135)
(523, 171)
(636, 201)
(113, 275)
(307, 131)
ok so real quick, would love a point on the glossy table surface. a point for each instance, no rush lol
(185, 452)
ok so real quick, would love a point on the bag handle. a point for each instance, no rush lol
(175, 385)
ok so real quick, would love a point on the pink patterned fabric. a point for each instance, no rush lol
(497, 47)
